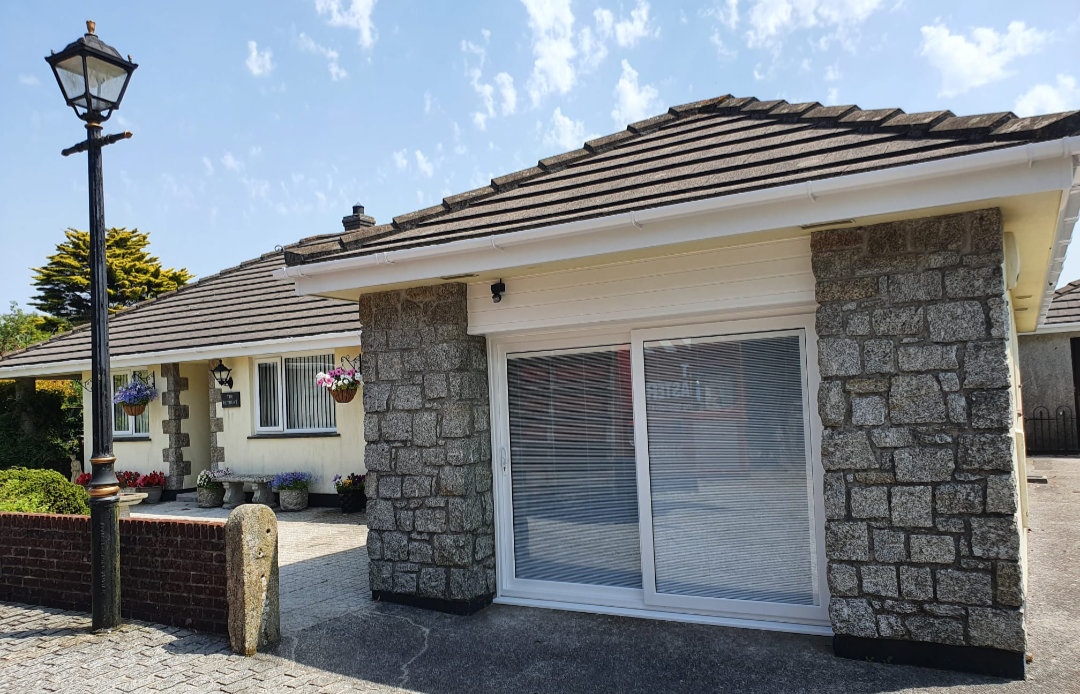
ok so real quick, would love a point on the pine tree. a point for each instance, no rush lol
(134, 275)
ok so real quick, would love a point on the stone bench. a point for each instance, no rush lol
(234, 490)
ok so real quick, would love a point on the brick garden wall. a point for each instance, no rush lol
(920, 484)
(171, 572)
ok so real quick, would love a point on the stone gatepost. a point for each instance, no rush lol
(428, 455)
(921, 496)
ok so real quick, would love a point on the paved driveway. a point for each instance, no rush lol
(337, 639)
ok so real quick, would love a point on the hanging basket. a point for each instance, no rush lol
(343, 396)
(134, 410)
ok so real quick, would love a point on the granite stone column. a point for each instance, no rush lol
(428, 455)
(922, 532)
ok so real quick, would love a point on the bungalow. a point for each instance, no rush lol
(268, 416)
(1049, 369)
(748, 363)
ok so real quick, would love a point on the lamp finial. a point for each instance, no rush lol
(90, 26)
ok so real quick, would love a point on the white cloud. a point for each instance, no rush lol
(564, 131)
(727, 13)
(357, 17)
(29, 80)
(832, 96)
(506, 90)
(401, 160)
(772, 20)
(424, 164)
(832, 73)
(722, 49)
(592, 48)
(231, 163)
(427, 103)
(605, 22)
(308, 45)
(629, 31)
(966, 63)
(633, 102)
(208, 165)
(259, 62)
(1064, 95)
(552, 25)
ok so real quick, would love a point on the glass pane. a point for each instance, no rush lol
(269, 412)
(142, 422)
(573, 473)
(728, 468)
(70, 72)
(307, 405)
(106, 80)
(121, 422)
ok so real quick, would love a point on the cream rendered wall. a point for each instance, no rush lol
(323, 456)
(197, 425)
(142, 456)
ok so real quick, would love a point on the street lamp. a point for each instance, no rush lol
(93, 77)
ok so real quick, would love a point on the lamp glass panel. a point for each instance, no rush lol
(106, 81)
(70, 72)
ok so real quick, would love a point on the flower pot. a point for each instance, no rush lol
(210, 497)
(343, 396)
(153, 494)
(353, 502)
(134, 410)
(292, 499)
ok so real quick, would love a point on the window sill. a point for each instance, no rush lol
(298, 435)
(122, 439)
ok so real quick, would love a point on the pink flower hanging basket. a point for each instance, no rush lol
(343, 396)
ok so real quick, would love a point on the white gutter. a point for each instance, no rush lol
(797, 204)
(226, 351)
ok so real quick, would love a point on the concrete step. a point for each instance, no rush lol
(190, 497)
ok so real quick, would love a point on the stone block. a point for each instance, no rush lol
(870, 502)
(852, 289)
(380, 515)
(406, 397)
(456, 421)
(832, 403)
(927, 357)
(839, 357)
(995, 538)
(251, 569)
(957, 405)
(958, 498)
(891, 626)
(898, 321)
(991, 409)
(935, 629)
(911, 507)
(879, 580)
(389, 487)
(425, 428)
(867, 385)
(835, 239)
(918, 286)
(416, 486)
(933, 549)
(974, 282)
(404, 583)
(957, 321)
(893, 437)
(453, 550)
(843, 580)
(916, 399)
(986, 365)
(395, 546)
(436, 386)
(846, 450)
(1009, 582)
(829, 320)
(1001, 494)
(853, 617)
(889, 546)
(916, 583)
(393, 426)
(950, 382)
(964, 587)
(879, 357)
(996, 628)
(858, 324)
(835, 496)
(847, 541)
(433, 582)
(923, 464)
(868, 410)
(430, 520)
(985, 452)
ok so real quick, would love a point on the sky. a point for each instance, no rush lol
(259, 123)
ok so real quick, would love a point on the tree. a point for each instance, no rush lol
(133, 274)
(19, 329)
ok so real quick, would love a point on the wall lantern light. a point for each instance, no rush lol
(497, 291)
(222, 374)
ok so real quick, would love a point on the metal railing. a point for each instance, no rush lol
(1051, 433)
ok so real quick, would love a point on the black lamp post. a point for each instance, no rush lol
(93, 77)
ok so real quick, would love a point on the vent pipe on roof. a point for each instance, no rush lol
(357, 220)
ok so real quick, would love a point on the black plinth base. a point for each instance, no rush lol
(462, 607)
(982, 661)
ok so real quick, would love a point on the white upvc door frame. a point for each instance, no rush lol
(638, 602)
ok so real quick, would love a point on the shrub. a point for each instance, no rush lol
(41, 491)
(55, 412)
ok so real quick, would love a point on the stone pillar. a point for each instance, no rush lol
(173, 427)
(922, 534)
(251, 577)
(428, 455)
(217, 425)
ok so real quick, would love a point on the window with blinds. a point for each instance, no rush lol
(288, 397)
(123, 423)
(728, 468)
(573, 479)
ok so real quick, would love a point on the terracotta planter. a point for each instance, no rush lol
(353, 502)
(153, 494)
(134, 410)
(210, 497)
(343, 396)
(292, 499)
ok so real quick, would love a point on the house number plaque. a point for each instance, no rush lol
(230, 399)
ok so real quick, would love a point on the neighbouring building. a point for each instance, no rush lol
(746, 363)
(1049, 369)
(271, 417)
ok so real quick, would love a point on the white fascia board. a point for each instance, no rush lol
(227, 351)
(1019, 170)
(1054, 328)
(1067, 216)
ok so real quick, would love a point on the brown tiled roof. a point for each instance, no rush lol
(1065, 308)
(238, 305)
(701, 150)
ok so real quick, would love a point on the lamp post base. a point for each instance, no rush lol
(105, 562)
